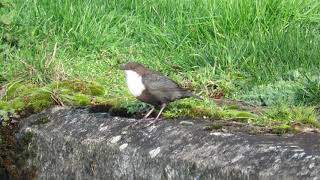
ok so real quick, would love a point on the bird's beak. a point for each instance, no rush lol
(122, 67)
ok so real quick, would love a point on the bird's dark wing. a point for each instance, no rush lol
(163, 88)
(158, 82)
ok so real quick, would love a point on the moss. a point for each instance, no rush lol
(19, 96)
(29, 98)
(4, 115)
(18, 89)
(120, 106)
(67, 91)
(191, 108)
(4, 105)
(81, 99)
(39, 100)
(17, 104)
(288, 114)
(133, 107)
(96, 89)
(76, 92)
(103, 100)
(206, 109)
(78, 86)
(233, 106)
(282, 129)
(75, 85)
(243, 116)
(305, 115)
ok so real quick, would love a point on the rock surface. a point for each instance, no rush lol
(69, 143)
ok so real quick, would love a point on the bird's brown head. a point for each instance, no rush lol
(134, 66)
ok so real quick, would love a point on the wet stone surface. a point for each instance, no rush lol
(77, 144)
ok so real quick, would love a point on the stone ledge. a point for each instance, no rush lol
(76, 144)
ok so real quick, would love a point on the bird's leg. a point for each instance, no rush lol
(162, 108)
(148, 114)
(157, 118)
(144, 118)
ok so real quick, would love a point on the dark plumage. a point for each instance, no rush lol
(152, 87)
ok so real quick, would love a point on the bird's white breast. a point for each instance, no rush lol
(134, 82)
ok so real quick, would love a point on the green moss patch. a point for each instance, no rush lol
(192, 108)
(282, 129)
(83, 87)
(207, 109)
(20, 96)
(18, 89)
(283, 114)
(275, 119)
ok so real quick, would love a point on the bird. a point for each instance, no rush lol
(152, 87)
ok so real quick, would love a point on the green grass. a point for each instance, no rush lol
(249, 50)
(258, 40)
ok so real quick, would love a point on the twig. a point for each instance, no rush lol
(57, 100)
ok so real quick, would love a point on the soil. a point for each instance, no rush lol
(13, 154)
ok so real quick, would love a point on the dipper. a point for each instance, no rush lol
(152, 87)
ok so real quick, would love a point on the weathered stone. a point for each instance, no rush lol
(76, 144)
